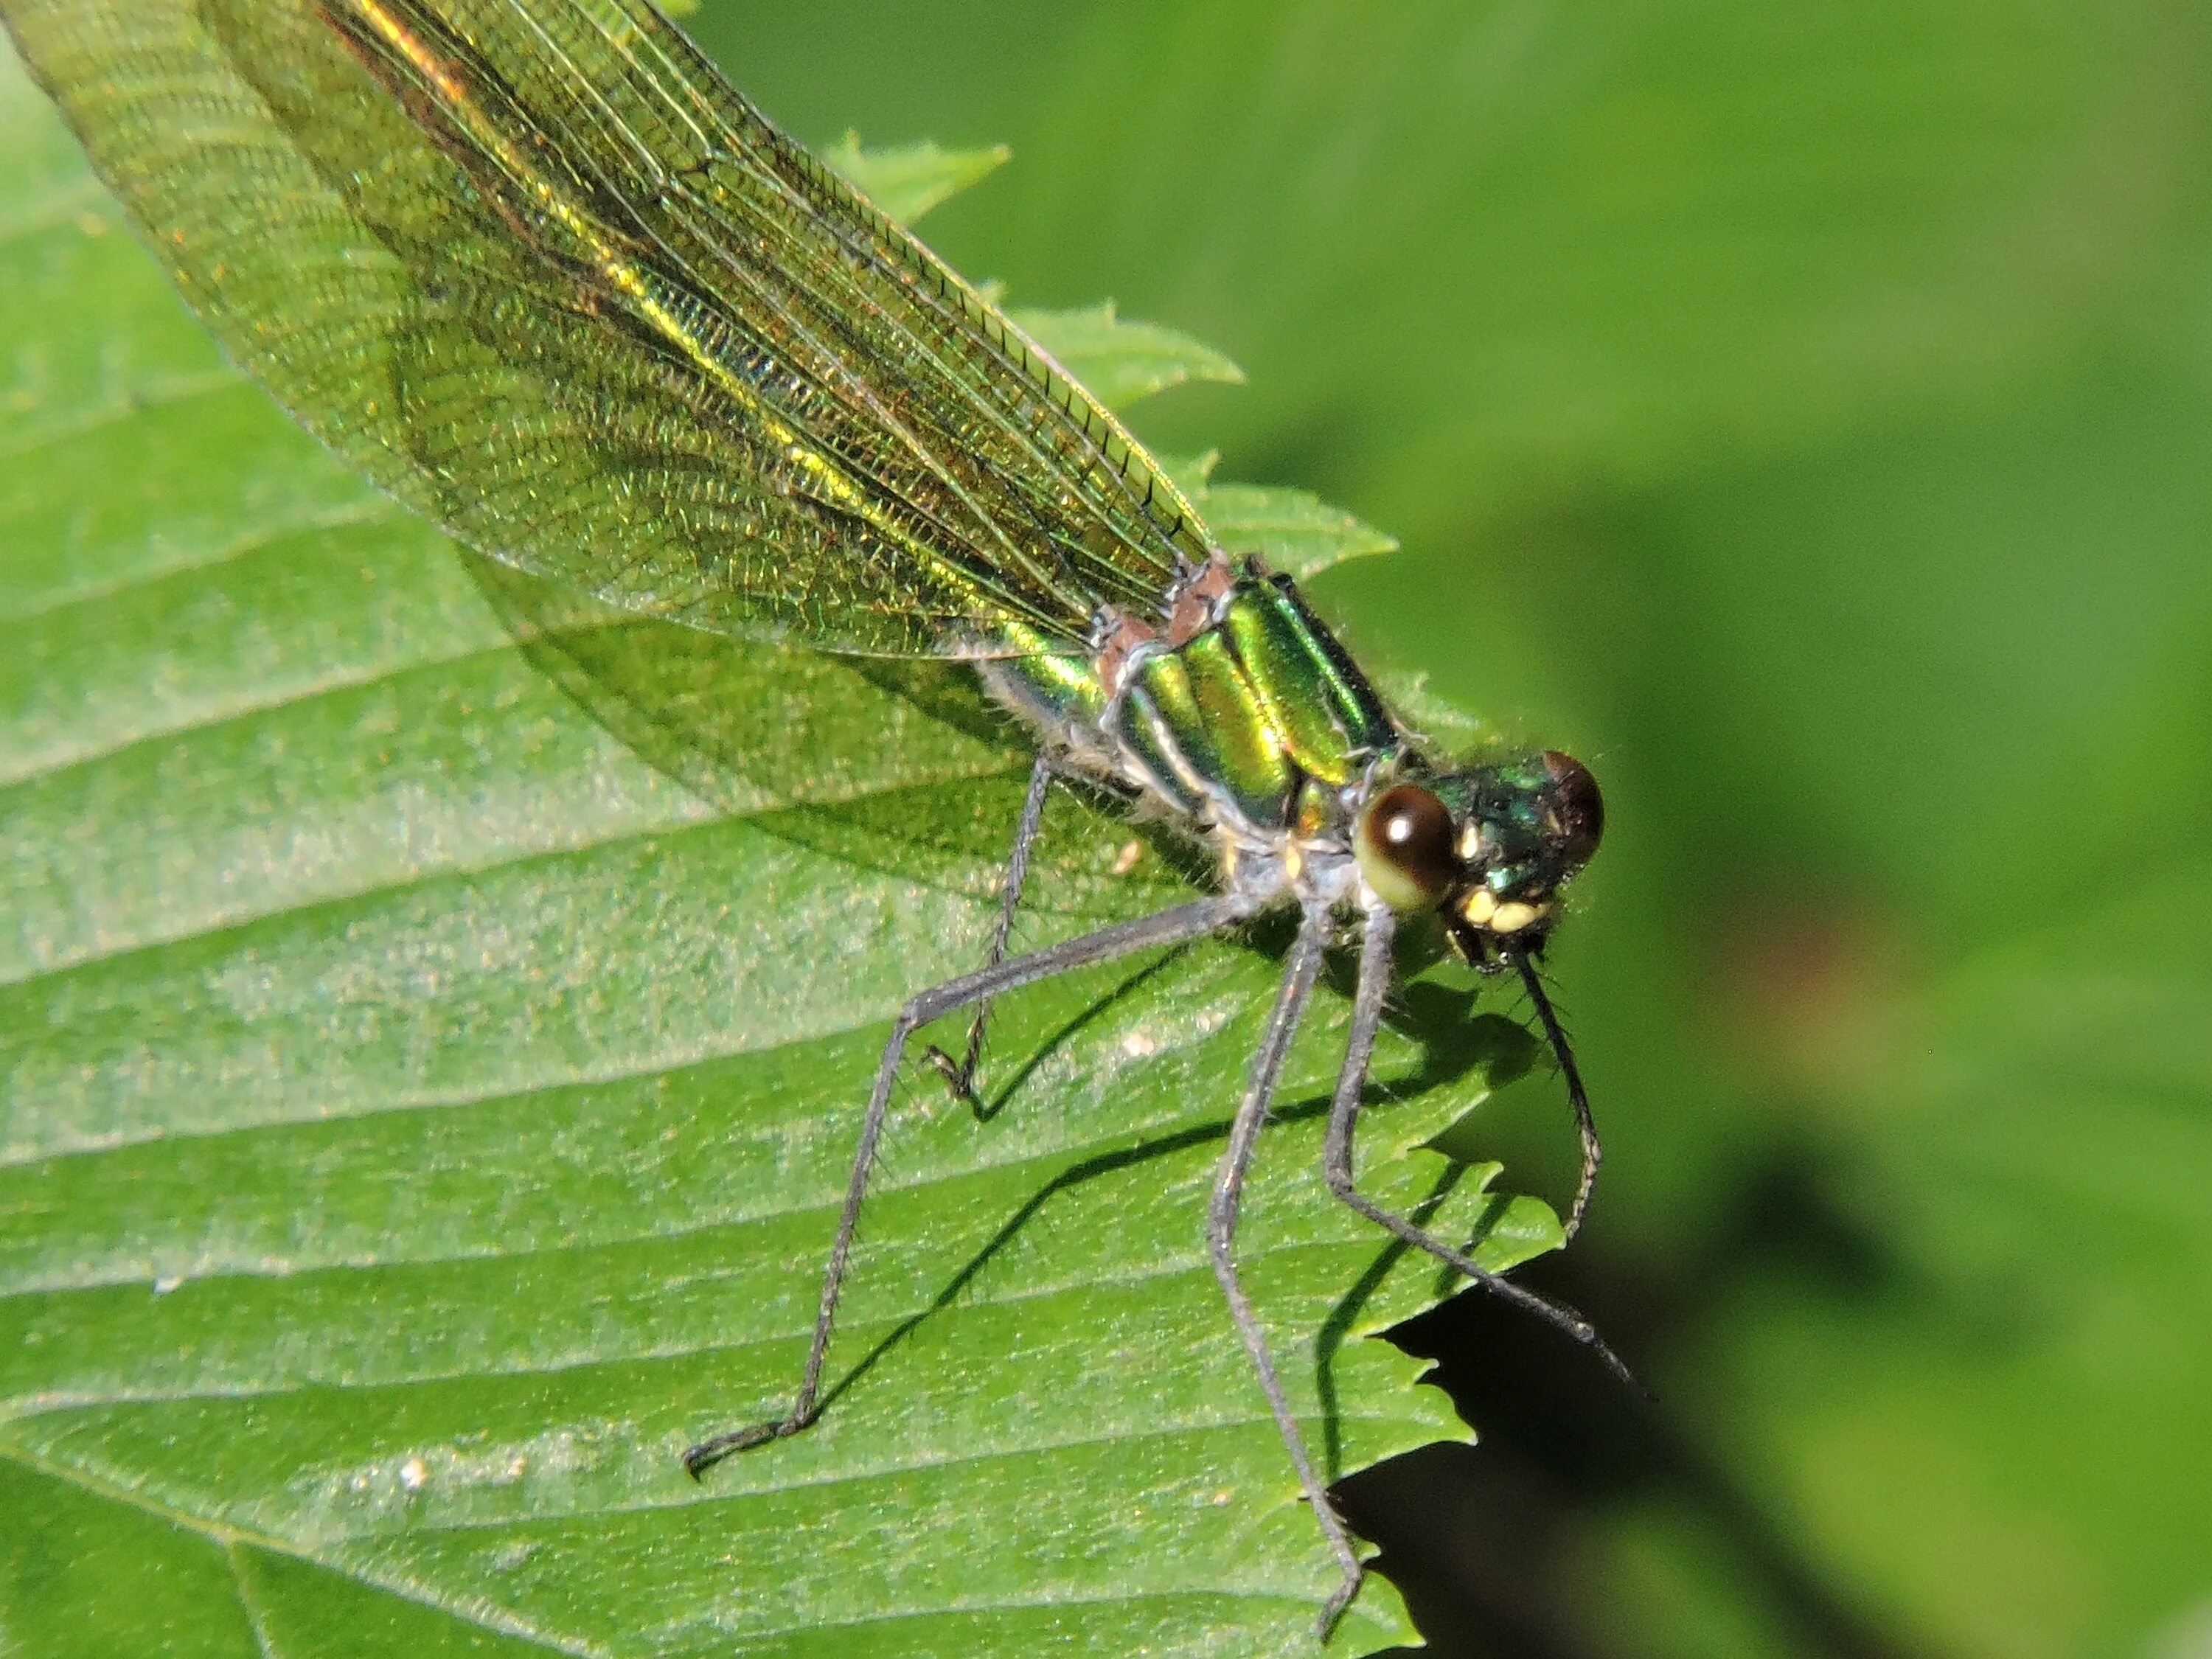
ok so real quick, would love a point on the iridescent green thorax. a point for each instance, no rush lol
(1256, 719)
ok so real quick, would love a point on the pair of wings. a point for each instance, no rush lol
(539, 271)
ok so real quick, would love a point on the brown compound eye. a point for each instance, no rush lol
(1405, 848)
(1577, 809)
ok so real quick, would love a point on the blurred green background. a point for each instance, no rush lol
(1802, 413)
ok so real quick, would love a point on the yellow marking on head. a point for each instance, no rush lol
(1512, 918)
(1479, 906)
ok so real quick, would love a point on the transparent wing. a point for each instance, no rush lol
(536, 268)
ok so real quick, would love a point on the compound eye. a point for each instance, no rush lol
(1577, 809)
(1405, 848)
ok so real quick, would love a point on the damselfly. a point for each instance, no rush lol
(538, 270)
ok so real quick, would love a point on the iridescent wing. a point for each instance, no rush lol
(541, 272)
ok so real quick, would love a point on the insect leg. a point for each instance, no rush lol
(1337, 1156)
(1298, 975)
(1177, 926)
(960, 1077)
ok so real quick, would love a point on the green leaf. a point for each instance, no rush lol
(1121, 361)
(905, 181)
(1294, 531)
(423, 1113)
(1191, 473)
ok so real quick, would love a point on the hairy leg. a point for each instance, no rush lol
(1174, 926)
(960, 1076)
(1337, 1156)
(1298, 975)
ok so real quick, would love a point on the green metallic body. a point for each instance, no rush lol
(1253, 723)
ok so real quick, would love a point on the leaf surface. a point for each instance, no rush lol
(907, 180)
(425, 1110)
(1119, 361)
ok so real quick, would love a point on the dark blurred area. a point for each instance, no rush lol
(1802, 414)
